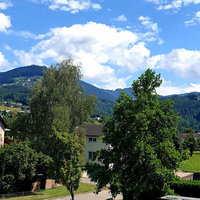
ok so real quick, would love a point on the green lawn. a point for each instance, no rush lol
(191, 165)
(55, 192)
(2, 108)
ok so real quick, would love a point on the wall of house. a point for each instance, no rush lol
(1, 134)
(93, 146)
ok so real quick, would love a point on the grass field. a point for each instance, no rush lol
(2, 108)
(191, 165)
(55, 192)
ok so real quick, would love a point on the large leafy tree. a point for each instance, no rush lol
(141, 154)
(58, 106)
(58, 102)
(18, 166)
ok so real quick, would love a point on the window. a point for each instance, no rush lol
(90, 155)
(92, 139)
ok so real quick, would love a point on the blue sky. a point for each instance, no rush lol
(114, 40)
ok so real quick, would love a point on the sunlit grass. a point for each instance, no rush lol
(55, 192)
(192, 164)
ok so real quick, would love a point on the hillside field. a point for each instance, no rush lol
(192, 164)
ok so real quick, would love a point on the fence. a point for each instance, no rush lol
(3, 196)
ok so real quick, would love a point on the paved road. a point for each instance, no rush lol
(103, 195)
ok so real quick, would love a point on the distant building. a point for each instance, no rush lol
(93, 140)
(3, 126)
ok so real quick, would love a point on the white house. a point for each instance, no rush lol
(93, 140)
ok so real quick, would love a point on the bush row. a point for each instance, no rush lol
(187, 188)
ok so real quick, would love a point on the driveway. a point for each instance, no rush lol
(103, 195)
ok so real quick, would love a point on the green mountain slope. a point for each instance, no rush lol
(16, 84)
(27, 71)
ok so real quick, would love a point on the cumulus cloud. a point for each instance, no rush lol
(174, 4)
(4, 4)
(152, 33)
(4, 64)
(194, 21)
(168, 88)
(102, 50)
(73, 6)
(5, 22)
(185, 63)
(108, 53)
(121, 18)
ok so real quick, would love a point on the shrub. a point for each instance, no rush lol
(186, 188)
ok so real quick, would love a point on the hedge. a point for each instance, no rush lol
(188, 188)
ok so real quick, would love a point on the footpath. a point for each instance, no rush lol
(103, 195)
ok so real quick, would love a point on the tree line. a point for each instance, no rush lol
(141, 136)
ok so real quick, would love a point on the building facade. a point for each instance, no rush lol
(93, 140)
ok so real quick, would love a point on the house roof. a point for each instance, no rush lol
(3, 122)
(93, 130)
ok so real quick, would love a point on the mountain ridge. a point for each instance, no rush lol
(16, 84)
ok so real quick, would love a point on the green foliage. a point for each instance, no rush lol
(187, 106)
(58, 102)
(18, 165)
(14, 93)
(58, 106)
(187, 188)
(190, 142)
(140, 136)
(68, 160)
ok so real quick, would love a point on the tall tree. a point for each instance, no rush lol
(58, 106)
(18, 166)
(140, 137)
(58, 102)
(190, 141)
(68, 160)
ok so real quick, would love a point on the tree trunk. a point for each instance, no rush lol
(72, 194)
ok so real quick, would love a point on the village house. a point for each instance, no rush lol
(93, 140)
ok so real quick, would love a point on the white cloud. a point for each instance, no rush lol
(29, 35)
(4, 64)
(121, 18)
(167, 88)
(101, 49)
(7, 47)
(148, 23)
(194, 21)
(4, 4)
(185, 63)
(73, 6)
(152, 33)
(5, 22)
(174, 4)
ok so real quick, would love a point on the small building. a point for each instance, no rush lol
(93, 140)
(3, 126)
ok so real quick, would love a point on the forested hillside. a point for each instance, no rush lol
(188, 107)
(27, 71)
(16, 84)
